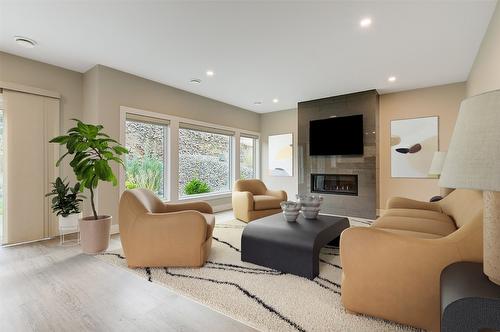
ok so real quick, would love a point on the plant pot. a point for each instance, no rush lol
(94, 234)
(69, 224)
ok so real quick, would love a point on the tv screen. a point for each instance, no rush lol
(336, 136)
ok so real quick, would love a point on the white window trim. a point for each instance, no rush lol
(166, 155)
(173, 152)
(222, 194)
(231, 137)
(256, 157)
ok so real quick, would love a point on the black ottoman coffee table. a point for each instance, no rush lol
(291, 247)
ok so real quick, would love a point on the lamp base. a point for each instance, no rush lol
(491, 226)
(494, 281)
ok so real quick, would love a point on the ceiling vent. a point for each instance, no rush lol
(25, 42)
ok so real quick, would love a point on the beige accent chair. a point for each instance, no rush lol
(252, 200)
(392, 269)
(157, 234)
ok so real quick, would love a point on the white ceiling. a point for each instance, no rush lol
(293, 51)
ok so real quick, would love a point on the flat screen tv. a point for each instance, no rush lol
(336, 136)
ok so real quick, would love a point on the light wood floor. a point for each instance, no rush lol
(46, 287)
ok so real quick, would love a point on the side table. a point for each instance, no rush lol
(469, 300)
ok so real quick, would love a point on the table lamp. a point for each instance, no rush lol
(473, 162)
(437, 163)
(436, 168)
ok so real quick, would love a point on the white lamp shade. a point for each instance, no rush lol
(437, 163)
(473, 158)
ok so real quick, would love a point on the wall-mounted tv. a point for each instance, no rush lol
(336, 136)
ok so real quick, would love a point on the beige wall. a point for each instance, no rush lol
(97, 95)
(40, 75)
(44, 76)
(485, 73)
(442, 101)
(275, 123)
(90, 102)
(116, 88)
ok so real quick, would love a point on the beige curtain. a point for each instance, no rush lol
(30, 121)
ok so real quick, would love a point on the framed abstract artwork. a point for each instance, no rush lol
(281, 155)
(413, 143)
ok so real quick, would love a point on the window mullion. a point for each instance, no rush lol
(236, 158)
(174, 161)
(166, 166)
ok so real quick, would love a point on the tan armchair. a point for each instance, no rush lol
(392, 269)
(157, 234)
(252, 200)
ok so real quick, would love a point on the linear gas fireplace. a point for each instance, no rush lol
(337, 184)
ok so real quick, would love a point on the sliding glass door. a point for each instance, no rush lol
(30, 121)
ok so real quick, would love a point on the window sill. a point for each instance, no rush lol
(207, 197)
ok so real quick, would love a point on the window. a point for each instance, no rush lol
(248, 152)
(1, 171)
(146, 163)
(181, 158)
(205, 156)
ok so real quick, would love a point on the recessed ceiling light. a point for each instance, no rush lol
(275, 100)
(366, 22)
(25, 42)
(210, 73)
(195, 81)
(392, 79)
(257, 103)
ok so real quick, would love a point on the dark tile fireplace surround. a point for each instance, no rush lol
(347, 183)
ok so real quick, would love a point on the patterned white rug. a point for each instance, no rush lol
(263, 298)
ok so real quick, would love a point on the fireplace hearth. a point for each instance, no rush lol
(335, 184)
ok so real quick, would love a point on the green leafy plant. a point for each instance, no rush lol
(144, 172)
(66, 199)
(196, 186)
(92, 151)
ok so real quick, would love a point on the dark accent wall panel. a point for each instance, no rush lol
(364, 166)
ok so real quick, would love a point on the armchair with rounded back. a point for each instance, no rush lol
(252, 200)
(158, 234)
(392, 269)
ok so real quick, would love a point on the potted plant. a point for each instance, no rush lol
(66, 204)
(92, 151)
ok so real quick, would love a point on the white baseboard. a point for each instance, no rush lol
(114, 229)
(223, 207)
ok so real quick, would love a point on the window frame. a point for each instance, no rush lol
(166, 148)
(230, 134)
(172, 154)
(255, 149)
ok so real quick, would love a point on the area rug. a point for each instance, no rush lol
(265, 299)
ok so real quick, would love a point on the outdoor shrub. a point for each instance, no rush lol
(144, 173)
(196, 186)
